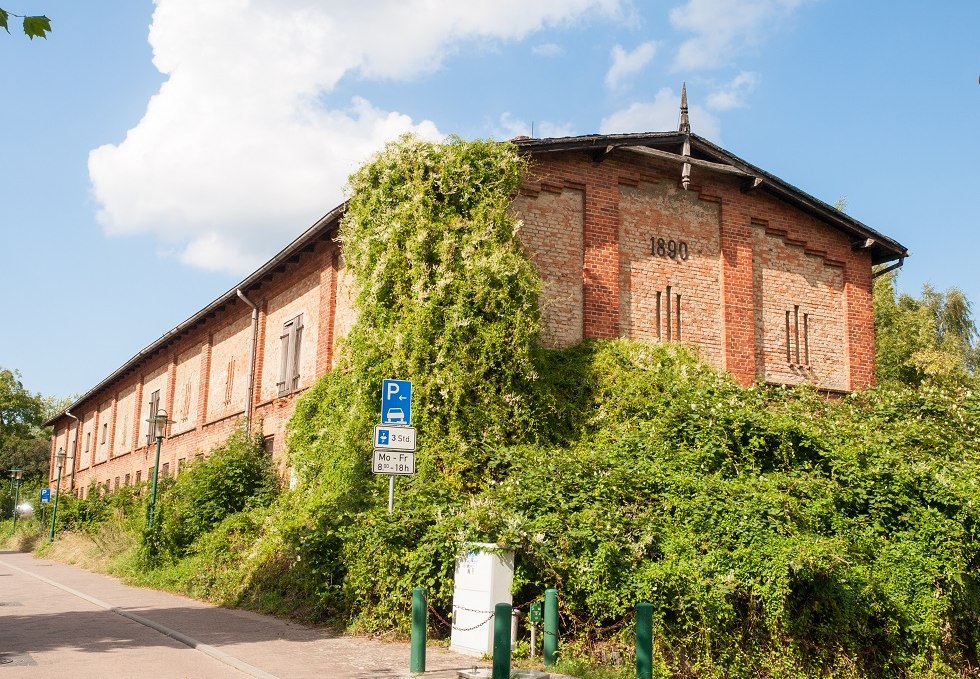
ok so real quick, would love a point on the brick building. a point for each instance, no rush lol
(661, 236)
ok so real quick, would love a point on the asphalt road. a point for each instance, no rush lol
(62, 621)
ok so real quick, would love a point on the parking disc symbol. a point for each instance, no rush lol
(382, 437)
(396, 402)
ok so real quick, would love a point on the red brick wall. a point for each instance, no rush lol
(587, 225)
(669, 252)
(751, 258)
(552, 233)
(192, 374)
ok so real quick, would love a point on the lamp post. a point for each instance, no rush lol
(15, 476)
(59, 460)
(159, 423)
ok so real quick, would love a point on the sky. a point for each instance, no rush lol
(153, 154)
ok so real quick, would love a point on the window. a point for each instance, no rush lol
(126, 482)
(668, 315)
(105, 432)
(115, 485)
(154, 409)
(292, 339)
(180, 465)
(166, 469)
(269, 443)
(139, 476)
(797, 354)
(88, 440)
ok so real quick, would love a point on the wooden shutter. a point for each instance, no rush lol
(151, 429)
(295, 347)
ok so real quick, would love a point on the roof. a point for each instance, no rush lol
(702, 153)
(326, 224)
(883, 249)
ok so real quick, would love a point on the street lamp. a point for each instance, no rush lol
(59, 460)
(16, 475)
(159, 423)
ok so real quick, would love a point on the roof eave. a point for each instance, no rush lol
(883, 250)
(325, 224)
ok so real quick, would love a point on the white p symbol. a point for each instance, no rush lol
(392, 389)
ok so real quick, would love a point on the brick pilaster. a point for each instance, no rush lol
(737, 293)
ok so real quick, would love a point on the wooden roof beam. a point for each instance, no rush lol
(696, 162)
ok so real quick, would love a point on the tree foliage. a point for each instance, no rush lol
(24, 443)
(930, 339)
(235, 477)
(36, 26)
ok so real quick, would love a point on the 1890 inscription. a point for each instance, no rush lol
(675, 249)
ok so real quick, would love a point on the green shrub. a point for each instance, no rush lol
(235, 477)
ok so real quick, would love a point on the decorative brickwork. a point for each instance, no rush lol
(186, 391)
(551, 233)
(344, 314)
(229, 355)
(669, 256)
(800, 333)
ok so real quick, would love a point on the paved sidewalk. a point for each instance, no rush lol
(46, 631)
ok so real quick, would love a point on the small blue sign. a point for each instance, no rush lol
(382, 437)
(396, 402)
(45, 495)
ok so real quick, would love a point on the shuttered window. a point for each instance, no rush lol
(291, 341)
(151, 429)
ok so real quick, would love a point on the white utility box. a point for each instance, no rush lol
(484, 576)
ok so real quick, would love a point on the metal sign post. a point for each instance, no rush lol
(394, 439)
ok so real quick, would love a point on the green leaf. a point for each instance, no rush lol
(37, 27)
(3, 20)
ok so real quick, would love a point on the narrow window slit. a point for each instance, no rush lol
(806, 338)
(668, 313)
(658, 314)
(677, 311)
(789, 358)
(796, 331)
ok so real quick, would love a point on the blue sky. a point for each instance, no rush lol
(153, 154)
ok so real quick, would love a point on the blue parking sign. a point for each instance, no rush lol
(396, 402)
(45, 496)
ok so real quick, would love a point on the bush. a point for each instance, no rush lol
(235, 477)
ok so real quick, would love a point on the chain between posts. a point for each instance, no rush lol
(468, 610)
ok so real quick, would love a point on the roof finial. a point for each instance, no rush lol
(684, 126)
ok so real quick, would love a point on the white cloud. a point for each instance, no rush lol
(723, 28)
(625, 64)
(731, 95)
(509, 127)
(660, 115)
(236, 153)
(548, 49)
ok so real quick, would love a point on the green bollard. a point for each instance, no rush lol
(550, 626)
(501, 641)
(418, 631)
(644, 641)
